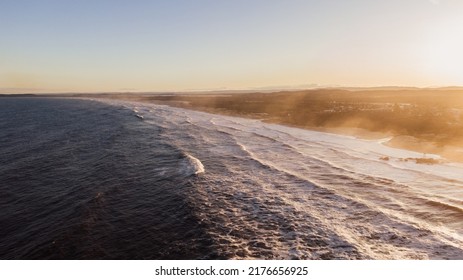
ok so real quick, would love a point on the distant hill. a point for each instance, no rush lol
(18, 95)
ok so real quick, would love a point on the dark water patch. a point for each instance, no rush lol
(84, 180)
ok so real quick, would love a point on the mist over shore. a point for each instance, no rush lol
(424, 120)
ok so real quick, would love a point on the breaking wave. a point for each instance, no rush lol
(190, 165)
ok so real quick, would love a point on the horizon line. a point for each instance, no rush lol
(243, 90)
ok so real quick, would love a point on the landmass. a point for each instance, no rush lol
(424, 120)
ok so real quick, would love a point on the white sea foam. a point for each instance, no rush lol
(311, 194)
(191, 166)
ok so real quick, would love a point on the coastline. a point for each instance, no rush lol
(405, 142)
(283, 156)
(248, 163)
(430, 150)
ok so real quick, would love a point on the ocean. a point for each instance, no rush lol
(108, 179)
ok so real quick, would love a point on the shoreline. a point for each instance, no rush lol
(405, 142)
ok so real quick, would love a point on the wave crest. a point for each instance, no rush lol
(191, 165)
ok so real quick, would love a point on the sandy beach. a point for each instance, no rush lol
(213, 103)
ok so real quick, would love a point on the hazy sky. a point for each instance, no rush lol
(143, 45)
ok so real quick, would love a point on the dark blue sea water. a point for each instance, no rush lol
(112, 179)
(78, 181)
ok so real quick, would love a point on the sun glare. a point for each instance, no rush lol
(443, 52)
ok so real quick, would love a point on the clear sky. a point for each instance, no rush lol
(172, 45)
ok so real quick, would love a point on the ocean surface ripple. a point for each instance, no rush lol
(115, 179)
